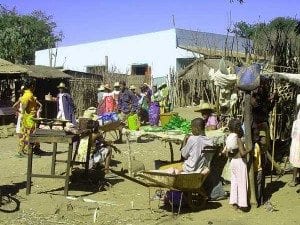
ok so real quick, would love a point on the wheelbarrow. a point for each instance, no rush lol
(189, 184)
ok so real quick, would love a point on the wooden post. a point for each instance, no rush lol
(248, 143)
(218, 100)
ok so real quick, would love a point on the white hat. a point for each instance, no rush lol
(101, 88)
(116, 84)
(132, 87)
(61, 85)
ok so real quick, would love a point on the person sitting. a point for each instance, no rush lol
(192, 152)
(211, 120)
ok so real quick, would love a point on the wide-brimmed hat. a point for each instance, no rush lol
(204, 106)
(117, 84)
(106, 86)
(132, 87)
(101, 88)
(262, 133)
(62, 85)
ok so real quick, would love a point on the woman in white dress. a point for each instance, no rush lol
(295, 146)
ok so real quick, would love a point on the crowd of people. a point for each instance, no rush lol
(148, 104)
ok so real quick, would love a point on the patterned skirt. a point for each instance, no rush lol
(154, 113)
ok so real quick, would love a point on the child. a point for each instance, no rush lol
(259, 167)
(192, 152)
(239, 177)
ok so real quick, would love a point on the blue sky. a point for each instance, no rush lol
(92, 20)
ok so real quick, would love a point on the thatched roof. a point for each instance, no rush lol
(200, 67)
(45, 72)
(7, 67)
(291, 77)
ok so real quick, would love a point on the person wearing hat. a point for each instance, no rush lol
(154, 110)
(259, 167)
(100, 93)
(164, 93)
(116, 92)
(65, 105)
(211, 120)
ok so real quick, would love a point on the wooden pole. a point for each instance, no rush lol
(248, 143)
(218, 100)
(274, 116)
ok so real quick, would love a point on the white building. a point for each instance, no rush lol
(162, 51)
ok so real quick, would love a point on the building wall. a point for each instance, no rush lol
(157, 49)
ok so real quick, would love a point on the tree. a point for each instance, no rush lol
(22, 35)
(278, 41)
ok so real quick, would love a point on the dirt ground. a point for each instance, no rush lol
(125, 202)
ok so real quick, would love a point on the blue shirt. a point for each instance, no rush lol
(127, 102)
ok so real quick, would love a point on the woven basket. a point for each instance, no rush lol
(177, 181)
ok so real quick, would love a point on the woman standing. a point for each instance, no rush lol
(239, 177)
(154, 110)
(144, 105)
(295, 146)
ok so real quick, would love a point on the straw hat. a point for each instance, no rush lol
(132, 87)
(262, 133)
(204, 106)
(61, 85)
(101, 88)
(106, 86)
(116, 84)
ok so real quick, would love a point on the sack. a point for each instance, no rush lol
(248, 78)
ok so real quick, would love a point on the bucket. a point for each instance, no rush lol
(165, 118)
(133, 122)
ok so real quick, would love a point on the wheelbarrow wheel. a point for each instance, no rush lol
(196, 201)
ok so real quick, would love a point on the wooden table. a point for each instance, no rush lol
(51, 139)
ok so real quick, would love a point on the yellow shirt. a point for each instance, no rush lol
(257, 158)
(29, 101)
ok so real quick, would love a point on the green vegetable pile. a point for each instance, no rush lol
(178, 123)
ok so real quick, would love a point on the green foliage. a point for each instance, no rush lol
(178, 123)
(22, 35)
(278, 41)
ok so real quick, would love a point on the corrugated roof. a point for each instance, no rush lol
(195, 40)
(45, 72)
(7, 67)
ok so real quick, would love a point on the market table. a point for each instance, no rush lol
(218, 137)
(54, 137)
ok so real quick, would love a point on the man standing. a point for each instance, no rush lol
(65, 105)
(127, 104)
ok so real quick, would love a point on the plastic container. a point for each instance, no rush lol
(133, 122)
(165, 118)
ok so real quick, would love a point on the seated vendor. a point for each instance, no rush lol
(194, 159)
(102, 151)
(211, 120)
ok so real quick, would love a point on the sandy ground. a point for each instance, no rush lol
(125, 202)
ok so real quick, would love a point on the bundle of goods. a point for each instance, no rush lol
(178, 123)
(106, 118)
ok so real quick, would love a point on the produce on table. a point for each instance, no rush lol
(178, 123)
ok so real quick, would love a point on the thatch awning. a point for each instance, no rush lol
(290, 77)
(7, 67)
(45, 72)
